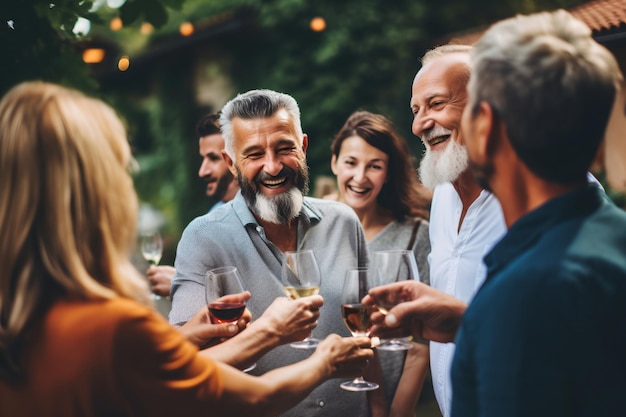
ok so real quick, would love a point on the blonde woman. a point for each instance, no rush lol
(75, 339)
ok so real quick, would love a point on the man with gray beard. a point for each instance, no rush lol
(265, 149)
(465, 220)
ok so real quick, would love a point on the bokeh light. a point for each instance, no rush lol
(93, 55)
(146, 28)
(116, 24)
(81, 27)
(186, 29)
(317, 24)
(123, 63)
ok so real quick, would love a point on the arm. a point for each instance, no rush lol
(411, 382)
(376, 398)
(282, 388)
(284, 321)
(430, 314)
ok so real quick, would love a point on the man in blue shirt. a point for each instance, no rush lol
(546, 333)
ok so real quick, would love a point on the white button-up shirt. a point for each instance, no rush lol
(456, 263)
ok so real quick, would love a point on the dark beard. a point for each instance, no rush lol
(222, 185)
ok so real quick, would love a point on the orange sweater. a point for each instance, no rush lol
(111, 358)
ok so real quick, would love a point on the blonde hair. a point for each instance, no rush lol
(67, 208)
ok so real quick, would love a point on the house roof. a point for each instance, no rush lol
(602, 15)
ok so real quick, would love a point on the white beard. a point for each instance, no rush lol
(438, 167)
(280, 208)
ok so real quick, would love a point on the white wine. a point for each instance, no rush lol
(152, 257)
(357, 318)
(298, 292)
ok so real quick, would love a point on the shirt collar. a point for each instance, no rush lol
(530, 227)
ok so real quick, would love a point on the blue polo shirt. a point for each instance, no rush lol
(546, 333)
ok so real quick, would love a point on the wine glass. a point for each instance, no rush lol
(300, 276)
(393, 266)
(224, 281)
(356, 317)
(151, 246)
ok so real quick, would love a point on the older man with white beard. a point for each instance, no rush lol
(265, 149)
(465, 220)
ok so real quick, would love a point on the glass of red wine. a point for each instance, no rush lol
(224, 281)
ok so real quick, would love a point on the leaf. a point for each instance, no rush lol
(155, 12)
(130, 12)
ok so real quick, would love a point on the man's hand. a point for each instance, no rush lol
(290, 320)
(160, 279)
(428, 314)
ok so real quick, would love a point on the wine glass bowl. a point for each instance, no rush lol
(224, 281)
(151, 246)
(393, 266)
(300, 277)
(356, 317)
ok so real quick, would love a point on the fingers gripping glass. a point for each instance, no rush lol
(300, 276)
(393, 266)
(224, 281)
(356, 317)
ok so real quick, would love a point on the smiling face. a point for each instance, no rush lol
(438, 98)
(361, 171)
(270, 165)
(214, 170)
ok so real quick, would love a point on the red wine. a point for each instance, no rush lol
(357, 318)
(225, 312)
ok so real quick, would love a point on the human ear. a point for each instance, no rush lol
(333, 164)
(229, 161)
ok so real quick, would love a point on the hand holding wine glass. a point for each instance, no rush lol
(393, 266)
(224, 281)
(356, 317)
(300, 276)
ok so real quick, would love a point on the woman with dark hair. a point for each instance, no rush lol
(377, 178)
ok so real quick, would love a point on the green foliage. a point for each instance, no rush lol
(365, 58)
(36, 43)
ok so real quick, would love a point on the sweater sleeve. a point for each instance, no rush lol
(157, 370)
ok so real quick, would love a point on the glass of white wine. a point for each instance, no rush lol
(393, 266)
(356, 317)
(151, 246)
(301, 277)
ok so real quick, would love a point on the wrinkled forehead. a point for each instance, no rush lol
(449, 73)
(279, 124)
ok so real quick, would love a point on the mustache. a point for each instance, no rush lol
(435, 132)
(286, 172)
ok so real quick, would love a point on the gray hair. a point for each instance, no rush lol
(553, 87)
(257, 104)
(444, 50)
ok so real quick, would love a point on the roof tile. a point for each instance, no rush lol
(601, 14)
